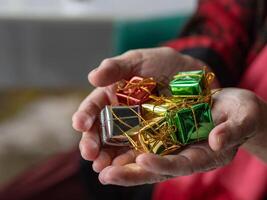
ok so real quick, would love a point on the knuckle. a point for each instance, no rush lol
(170, 50)
(92, 109)
(137, 54)
(131, 51)
(83, 151)
(107, 61)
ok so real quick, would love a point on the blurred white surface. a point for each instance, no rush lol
(41, 129)
(92, 9)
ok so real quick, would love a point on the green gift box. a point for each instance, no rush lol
(193, 124)
(188, 83)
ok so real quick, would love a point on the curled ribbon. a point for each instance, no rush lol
(136, 86)
(157, 132)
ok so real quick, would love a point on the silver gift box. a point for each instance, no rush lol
(116, 121)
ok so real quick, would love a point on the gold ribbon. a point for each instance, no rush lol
(157, 132)
(130, 88)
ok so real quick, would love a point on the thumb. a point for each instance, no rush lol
(226, 135)
(115, 69)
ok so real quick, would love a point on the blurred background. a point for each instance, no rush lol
(47, 48)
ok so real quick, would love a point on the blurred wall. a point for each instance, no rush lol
(41, 53)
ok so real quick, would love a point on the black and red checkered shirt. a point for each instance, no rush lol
(226, 34)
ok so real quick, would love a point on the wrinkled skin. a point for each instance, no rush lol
(236, 114)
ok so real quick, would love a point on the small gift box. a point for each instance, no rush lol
(165, 123)
(161, 105)
(193, 124)
(153, 109)
(136, 91)
(119, 122)
(188, 83)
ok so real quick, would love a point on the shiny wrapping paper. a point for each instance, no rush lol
(116, 121)
(160, 124)
(160, 105)
(136, 91)
(188, 83)
(157, 110)
(193, 124)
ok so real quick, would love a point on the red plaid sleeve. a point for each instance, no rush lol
(220, 33)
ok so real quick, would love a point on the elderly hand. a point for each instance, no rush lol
(157, 63)
(235, 112)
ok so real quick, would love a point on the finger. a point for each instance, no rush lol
(125, 158)
(107, 155)
(228, 134)
(218, 115)
(114, 69)
(128, 175)
(197, 158)
(90, 144)
(165, 165)
(90, 108)
(104, 159)
(218, 137)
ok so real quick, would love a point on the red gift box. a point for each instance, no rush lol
(136, 91)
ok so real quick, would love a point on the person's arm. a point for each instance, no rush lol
(221, 34)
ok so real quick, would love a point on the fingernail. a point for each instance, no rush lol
(95, 167)
(103, 181)
(220, 141)
(101, 178)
